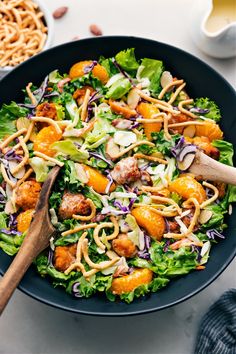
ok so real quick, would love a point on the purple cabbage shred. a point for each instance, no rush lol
(122, 71)
(199, 110)
(90, 67)
(98, 156)
(213, 233)
(166, 246)
(10, 232)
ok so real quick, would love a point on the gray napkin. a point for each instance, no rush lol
(217, 332)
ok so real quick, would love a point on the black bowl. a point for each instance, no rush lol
(202, 81)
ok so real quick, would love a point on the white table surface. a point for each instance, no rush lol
(28, 326)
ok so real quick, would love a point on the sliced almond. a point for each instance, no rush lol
(189, 131)
(12, 166)
(125, 138)
(24, 122)
(9, 208)
(205, 216)
(166, 78)
(187, 162)
(81, 173)
(133, 99)
(112, 149)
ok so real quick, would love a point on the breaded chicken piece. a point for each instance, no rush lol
(124, 247)
(73, 204)
(46, 109)
(64, 256)
(126, 171)
(27, 194)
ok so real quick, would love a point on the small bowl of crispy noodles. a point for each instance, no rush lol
(26, 28)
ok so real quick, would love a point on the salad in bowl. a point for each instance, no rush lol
(128, 214)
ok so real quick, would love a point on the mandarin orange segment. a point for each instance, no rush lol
(78, 70)
(100, 72)
(147, 110)
(130, 282)
(188, 187)
(44, 139)
(210, 130)
(24, 220)
(153, 223)
(97, 180)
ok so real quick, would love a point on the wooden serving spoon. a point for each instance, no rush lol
(36, 240)
(212, 170)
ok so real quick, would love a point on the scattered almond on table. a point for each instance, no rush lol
(95, 30)
(60, 12)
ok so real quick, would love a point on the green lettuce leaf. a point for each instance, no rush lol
(67, 147)
(8, 115)
(54, 77)
(164, 146)
(40, 168)
(89, 193)
(126, 59)
(108, 65)
(152, 69)
(119, 89)
(172, 263)
(226, 156)
(231, 194)
(156, 284)
(10, 244)
(206, 103)
(226, 151)
(98, 135)
(217, 219)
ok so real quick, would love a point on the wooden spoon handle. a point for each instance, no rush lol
(213, 170)
(14, 274)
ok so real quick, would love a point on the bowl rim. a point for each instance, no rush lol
(205, 283)
(50, 34)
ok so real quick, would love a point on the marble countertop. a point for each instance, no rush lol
(29, 327)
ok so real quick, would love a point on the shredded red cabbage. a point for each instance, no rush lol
(100, 157)
(213, 233)
(52, 94)
(76, 289)
(147, 244)
(197, 249)
(2, 199)
(166, 246)
(90, 67)
(199, 110)
(178, 147)
(144, 254)
(12, 223)
(122, 71)
(38, 94)
(50, 258)
(107, 190)
(11, 155)
(10, 232)
(123, 208)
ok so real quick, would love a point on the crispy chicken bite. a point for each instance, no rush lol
(73, 204)
(46, 109)
(27, 194)
(64, 256)
(126, 171)
(123, 246)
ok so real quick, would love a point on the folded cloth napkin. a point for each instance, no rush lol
(217, 332)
